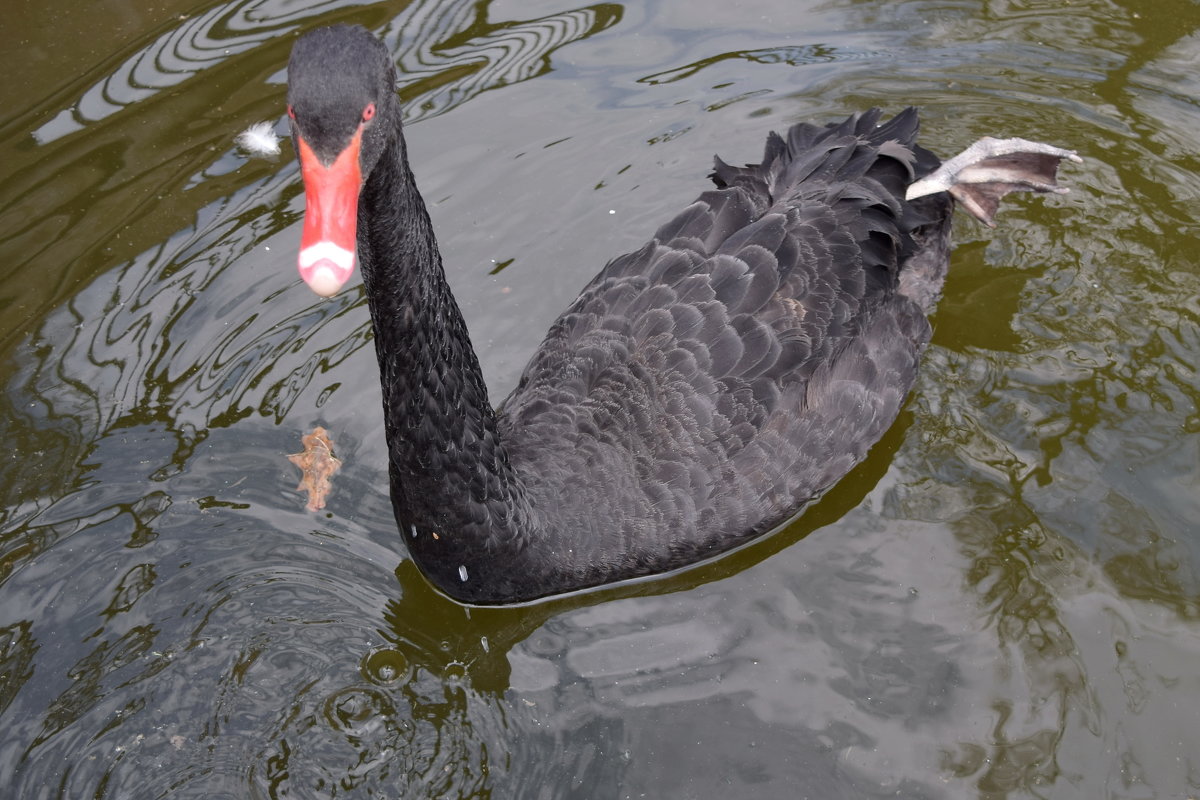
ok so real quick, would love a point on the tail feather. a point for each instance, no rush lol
(832, 154)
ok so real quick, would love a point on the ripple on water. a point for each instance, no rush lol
(1006, 607)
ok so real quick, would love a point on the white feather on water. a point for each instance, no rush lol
(259, 139)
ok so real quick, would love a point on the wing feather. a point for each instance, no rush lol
(748, 354)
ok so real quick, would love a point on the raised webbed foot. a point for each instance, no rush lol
(981, 175)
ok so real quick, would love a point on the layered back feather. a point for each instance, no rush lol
(703, 388)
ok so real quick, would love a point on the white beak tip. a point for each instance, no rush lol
(324, 278)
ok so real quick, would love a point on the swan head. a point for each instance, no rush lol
(342, 105)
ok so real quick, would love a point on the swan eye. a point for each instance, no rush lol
(368, 112)
(291, 111)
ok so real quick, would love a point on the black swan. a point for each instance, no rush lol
(698, 392)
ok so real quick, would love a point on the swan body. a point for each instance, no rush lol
(697, 393)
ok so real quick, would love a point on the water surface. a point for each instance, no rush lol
(1003, 601)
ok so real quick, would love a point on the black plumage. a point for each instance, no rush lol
(699, 390)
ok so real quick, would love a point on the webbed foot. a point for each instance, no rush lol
(980, 176)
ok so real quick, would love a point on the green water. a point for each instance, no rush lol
(1003, 601)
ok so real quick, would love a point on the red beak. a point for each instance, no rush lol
(330, 217)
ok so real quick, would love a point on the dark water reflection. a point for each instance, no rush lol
(1003, 601)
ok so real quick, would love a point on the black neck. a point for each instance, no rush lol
(457, 500)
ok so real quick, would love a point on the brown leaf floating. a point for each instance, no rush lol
(318, 465)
